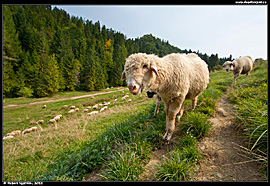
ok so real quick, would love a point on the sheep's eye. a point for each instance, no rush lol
(144, 66)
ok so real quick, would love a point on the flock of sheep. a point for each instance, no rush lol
(103, 106)
(174, 78)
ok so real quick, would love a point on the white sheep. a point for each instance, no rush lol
(64, 107)
(14, 133)
(52, 121)
(129, 100)
(57, 118)
(44, 106)
(174, 77)
(71, 111)
(8, 137)
(95, 107)
(242, 65)
(72, 107)
(27, 131)
(85, 110)
(88, 107)
(104, 108)
(77, 109)
(115, 99)
(34, 129)
(92, 113)
(41, 121)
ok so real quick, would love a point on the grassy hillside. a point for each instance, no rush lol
(249, 96)
(122, 138)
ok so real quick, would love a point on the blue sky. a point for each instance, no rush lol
(230, 29)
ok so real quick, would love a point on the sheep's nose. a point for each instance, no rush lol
(132, 87)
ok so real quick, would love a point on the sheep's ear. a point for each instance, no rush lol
(154, 69)
(123, 75)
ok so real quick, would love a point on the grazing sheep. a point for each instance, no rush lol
(14, 133)
(27, 131)
(72, 107)
(8, 137)
(40, 121)
(174, 77)
(242, 65)
(129, 100)
(57, 118)
(44, 106)
(104, 108)
(77, 109)
(34, 129)
(64, 107)
(71, 111)
(95, 107)
(125, 97)
(52, 121)
(115, 99)
(92, 113)
(88, 107)
(85, 110)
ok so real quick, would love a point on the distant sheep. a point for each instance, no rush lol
(44, 106)
(242, 65)
(52, 121)
(92, 113)
(14, 133)
(57, 118)
(27, 131)
(76, 109)
(64, 107)
(71, 111)
(125, 97)
(95, 107)
(85, 110)
(129, 100)
(174, 77)
(72, 107)
(34, 129)
(104, 108)
(40, 121)
(8, 137)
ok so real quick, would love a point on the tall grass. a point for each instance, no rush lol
(249, 94)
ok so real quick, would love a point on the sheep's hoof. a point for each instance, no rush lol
(167, 136)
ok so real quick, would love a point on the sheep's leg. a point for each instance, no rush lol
(235, 76)
(180, 113)
(158, 101)
(194, 103)
(172, 108)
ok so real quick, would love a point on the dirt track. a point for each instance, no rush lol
(224, 160)
(63, 99)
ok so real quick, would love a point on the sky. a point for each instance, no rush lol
(222, 29)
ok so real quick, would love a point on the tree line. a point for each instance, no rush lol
(46, 50)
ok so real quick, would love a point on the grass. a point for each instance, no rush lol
(26, 157)
(122, 138)
(249, 96)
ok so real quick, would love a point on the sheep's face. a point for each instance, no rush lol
(228, 65)
(138, 72)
